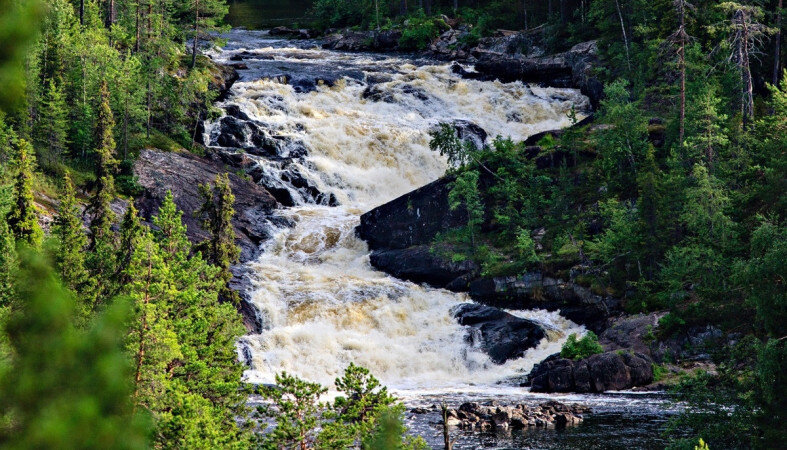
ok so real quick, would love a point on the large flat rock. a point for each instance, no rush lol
(182, 173)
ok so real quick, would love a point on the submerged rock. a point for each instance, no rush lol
(499, 334)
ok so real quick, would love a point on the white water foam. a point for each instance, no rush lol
(324, 305)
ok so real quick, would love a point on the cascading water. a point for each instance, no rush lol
(356, 139)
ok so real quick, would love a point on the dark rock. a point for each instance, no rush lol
(616, 370)
(352, 41)
(536, 291)
(421, 265)
(291, 33)
(501, 335)
(470, 132)
(412, 219)
(182, 173)
(387, 39)
(569, 69)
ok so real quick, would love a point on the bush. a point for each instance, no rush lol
(582, 348)
(419, 32)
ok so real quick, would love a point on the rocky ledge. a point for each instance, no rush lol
(475, 416)
(610, 371)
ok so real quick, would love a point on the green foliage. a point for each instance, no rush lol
(72, 243)
(297, 412)
(390, 434)
(52, 126)
(581, 348)
(445, 139)
(343, 13)
(216, 213)
(464, 193)
(18, 30)
(526, 247)
(622, 144)
(23, 215)
(65, 385)
(355, 415)
(419, 32)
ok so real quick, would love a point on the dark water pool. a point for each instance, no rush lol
(618, 421)
(259, 14)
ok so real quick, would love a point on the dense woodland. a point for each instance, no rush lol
(116, 334)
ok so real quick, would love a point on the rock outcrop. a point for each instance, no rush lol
(421, 264)
(181, 173)
(478, 417)
(569, 69)
(536, 291)
(616, 370)
(412, 219)
(499, 334)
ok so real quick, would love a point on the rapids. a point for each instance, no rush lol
(365, 131)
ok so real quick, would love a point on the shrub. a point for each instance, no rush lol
(581, 348)
(418, 33)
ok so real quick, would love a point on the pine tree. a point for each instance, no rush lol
(22, 218)
(52, 125)
(72, 241)
(217, 212)
(151, 342)
(64, 386)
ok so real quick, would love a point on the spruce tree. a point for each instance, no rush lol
(22, 218)
(130, 234)
(217, 212)
(106, 162)
(52, 125)
(72, 241)
(103, 240)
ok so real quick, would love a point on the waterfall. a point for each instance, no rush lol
(343, 133)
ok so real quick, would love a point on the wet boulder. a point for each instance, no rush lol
(616, 370)
(499, 334)
(492, 416)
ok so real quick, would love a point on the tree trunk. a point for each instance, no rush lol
(456, 6)
(82, 12)
(524, 11)
(137, 27)
(682, 64)
(623, 29)
(446, 434)
(196, 34)
(777, 46)
(428, 7)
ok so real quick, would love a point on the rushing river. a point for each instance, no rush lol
(344, 147)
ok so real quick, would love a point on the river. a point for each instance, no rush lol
(344, 147)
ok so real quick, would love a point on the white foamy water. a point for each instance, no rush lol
(323, 305)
